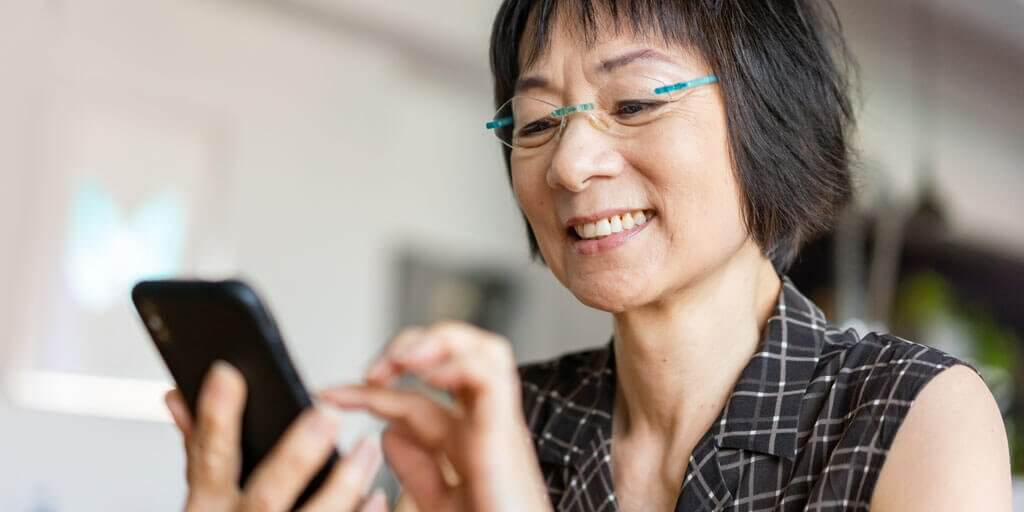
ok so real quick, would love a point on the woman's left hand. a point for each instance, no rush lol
(483, 436)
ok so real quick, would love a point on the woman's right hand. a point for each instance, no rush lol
(213, 450)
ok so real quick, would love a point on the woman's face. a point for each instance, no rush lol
(677, 170)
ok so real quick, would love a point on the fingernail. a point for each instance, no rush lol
(216, 383)
(222, 368)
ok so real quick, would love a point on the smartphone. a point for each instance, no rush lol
(194, 323)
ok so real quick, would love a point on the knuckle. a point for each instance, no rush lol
(212, 421)
(209, 465)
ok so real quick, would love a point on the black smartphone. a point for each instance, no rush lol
(194, 323)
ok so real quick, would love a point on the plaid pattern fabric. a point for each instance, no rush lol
(807, 426)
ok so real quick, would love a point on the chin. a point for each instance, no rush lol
(612, 294)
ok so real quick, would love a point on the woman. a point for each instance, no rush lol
(669, 158)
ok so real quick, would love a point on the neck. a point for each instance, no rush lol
(678, 359)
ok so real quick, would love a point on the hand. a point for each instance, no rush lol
(213, 449)
(482, 437)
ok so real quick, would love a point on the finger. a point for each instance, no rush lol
(214, 450)
(279, 479)
(383, 371)
(464, 360)
(425, 418)
(413, 340)
(453, 375)
(436, 342)
(349, 480)
(377, 502)
(451, 340)
(179, 412)
(416, 467)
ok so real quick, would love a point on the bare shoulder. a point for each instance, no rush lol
(951, 451)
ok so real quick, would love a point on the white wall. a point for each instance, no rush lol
(339, 147)
(338, 150)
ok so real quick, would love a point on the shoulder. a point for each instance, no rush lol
(874, 351)
(931, 416)
(878, 377)
(880, 369)
(950, 453)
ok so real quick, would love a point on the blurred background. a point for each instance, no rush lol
(333, 153)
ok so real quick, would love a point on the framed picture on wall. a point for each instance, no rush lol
(127, 188)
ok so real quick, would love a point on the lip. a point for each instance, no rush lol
(600, 245)
(594, 217)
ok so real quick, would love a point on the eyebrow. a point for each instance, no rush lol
(531, 82)
(606, 66)
(645, 54)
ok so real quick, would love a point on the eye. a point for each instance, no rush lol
(537, 127)
(634, 108)
(629, 109)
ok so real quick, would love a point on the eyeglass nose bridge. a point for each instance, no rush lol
(572, 109)
(590, 109)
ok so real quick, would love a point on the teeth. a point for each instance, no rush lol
(627, 221)
(614, 224)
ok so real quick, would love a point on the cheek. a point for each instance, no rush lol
(691, 169)
(535, 200)
(529, 192)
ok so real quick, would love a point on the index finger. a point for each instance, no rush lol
(179, 412)
(383, 370)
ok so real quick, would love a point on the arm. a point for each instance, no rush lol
(950, 452)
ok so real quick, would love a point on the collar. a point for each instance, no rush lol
(763, 411)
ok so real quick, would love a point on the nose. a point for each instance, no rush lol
(583, 153)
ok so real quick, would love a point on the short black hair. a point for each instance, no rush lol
(785, 75)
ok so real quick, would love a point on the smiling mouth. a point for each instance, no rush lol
(611, 225)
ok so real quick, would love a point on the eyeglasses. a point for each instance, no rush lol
(622, 105)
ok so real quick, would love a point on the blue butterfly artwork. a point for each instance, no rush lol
(109, 249)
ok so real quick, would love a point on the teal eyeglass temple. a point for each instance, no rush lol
(583, 107)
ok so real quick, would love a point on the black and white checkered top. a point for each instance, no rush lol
(807, 426)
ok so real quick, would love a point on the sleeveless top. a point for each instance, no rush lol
(807, 426)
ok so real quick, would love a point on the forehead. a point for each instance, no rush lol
(602, 43)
